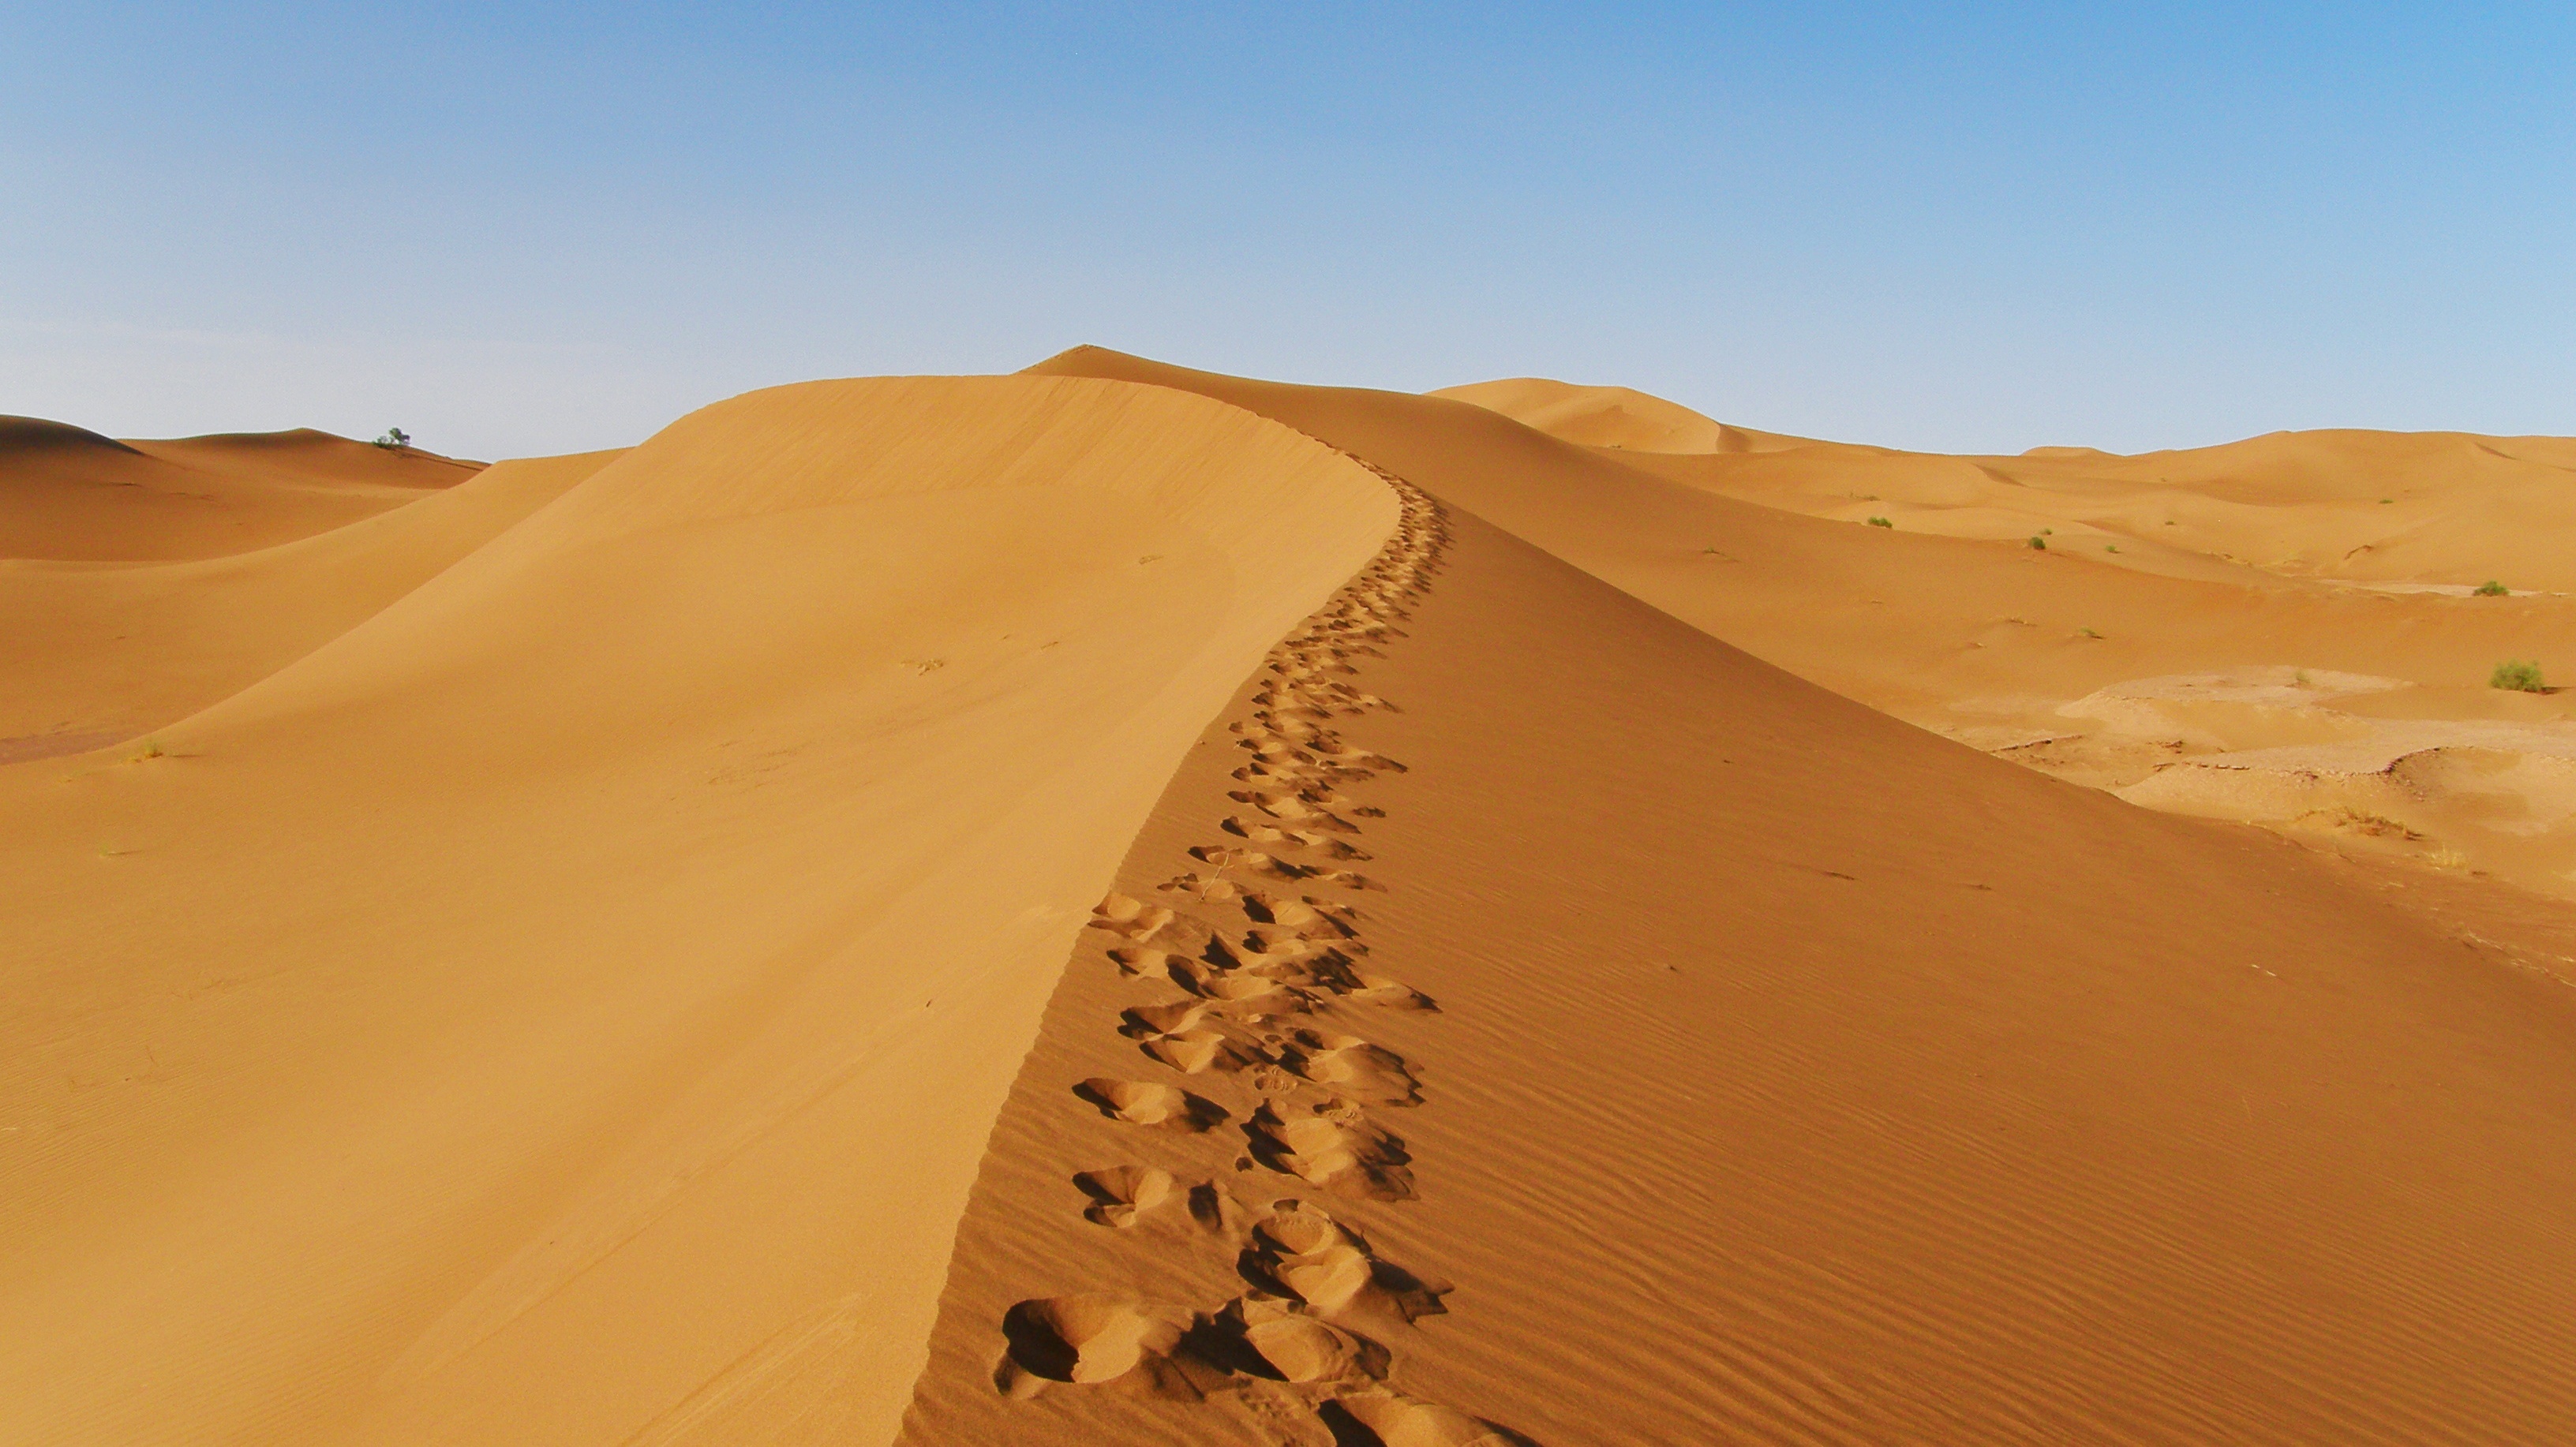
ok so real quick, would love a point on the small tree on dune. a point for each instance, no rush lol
(394, 440)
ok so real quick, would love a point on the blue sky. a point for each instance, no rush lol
(516, 229)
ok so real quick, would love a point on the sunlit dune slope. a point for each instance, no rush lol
(106, 651)
(1796, 1076)
(2007, 647)
(2437, 507)
(66, 493)
(1618, 417)
(567, 1007)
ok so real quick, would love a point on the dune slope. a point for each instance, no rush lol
(106, 651)
(68, 493)
(1796, 1076)
(2013, 648)
(567, 1006)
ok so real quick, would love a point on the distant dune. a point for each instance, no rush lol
(1125, 904)
(66, 493)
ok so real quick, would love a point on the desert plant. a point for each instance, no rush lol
(2493, 589)
(1880, 523)
(2110, 547)
(2087, 632)
(394, 440)
(2038, 542)
(2517, 675)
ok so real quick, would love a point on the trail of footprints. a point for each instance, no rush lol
(1257, 965)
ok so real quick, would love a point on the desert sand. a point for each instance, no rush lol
(1123, 904)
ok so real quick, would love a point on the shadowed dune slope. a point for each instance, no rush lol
(107, 651)
(1905, 622)
(566, 1006)
(1979, 640)
(67, 493)
(1796, 1077)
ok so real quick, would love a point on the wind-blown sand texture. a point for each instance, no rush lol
(1123, 904)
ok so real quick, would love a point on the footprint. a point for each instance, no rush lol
(1353, 1067)
(1270, 1336)
(1119, 1195)
(1390, 994)
(1088, 1338)
(1301, 1251)
(1215, 983)
(1193, 1052)
(1142, 1102)
(1301, 807)
(1335, 1147)
(1311, 918)
(1139, 923)
(1388, 1419)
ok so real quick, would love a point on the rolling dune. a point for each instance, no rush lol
(2006, 647)
(70, 494)
(107, 652)
(1123, 904)
(568, 1005)
(1795, 1076)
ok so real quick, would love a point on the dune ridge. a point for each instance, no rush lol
(1999, 645)
(1929, 1099)
(700, 851)
(1119, 903)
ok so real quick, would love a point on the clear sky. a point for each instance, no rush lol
(531, 228)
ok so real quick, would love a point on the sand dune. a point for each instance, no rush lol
(567, 1006)
(1615, 417)
(1997, 644)
(108, 652)
(1125, 904)
(67, 493)
(1795, 1076)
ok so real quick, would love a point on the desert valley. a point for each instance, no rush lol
(1115, 903)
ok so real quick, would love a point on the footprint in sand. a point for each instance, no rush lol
(1299, 1250)
(1321, 843)
(1351, 1066)
(1148, 1103)
(1268, 1336)
(1388, 1419)
(1297, 1342)
(1088, 1338)
(1335, 1147)
(1121, 1194)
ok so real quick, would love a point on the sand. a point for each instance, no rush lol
(1125, 904)
(68, 493)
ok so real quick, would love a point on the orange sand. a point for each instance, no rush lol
(597, 953)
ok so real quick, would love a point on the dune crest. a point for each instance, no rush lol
(1614, 417)
(1801, 1074)
(700, 851)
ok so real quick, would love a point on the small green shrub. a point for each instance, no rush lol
(2038, 542)
(2110, 547)
(1880, 523)
(2516, 675)
(2087, 632)
(394, 440)
(2493, 589)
